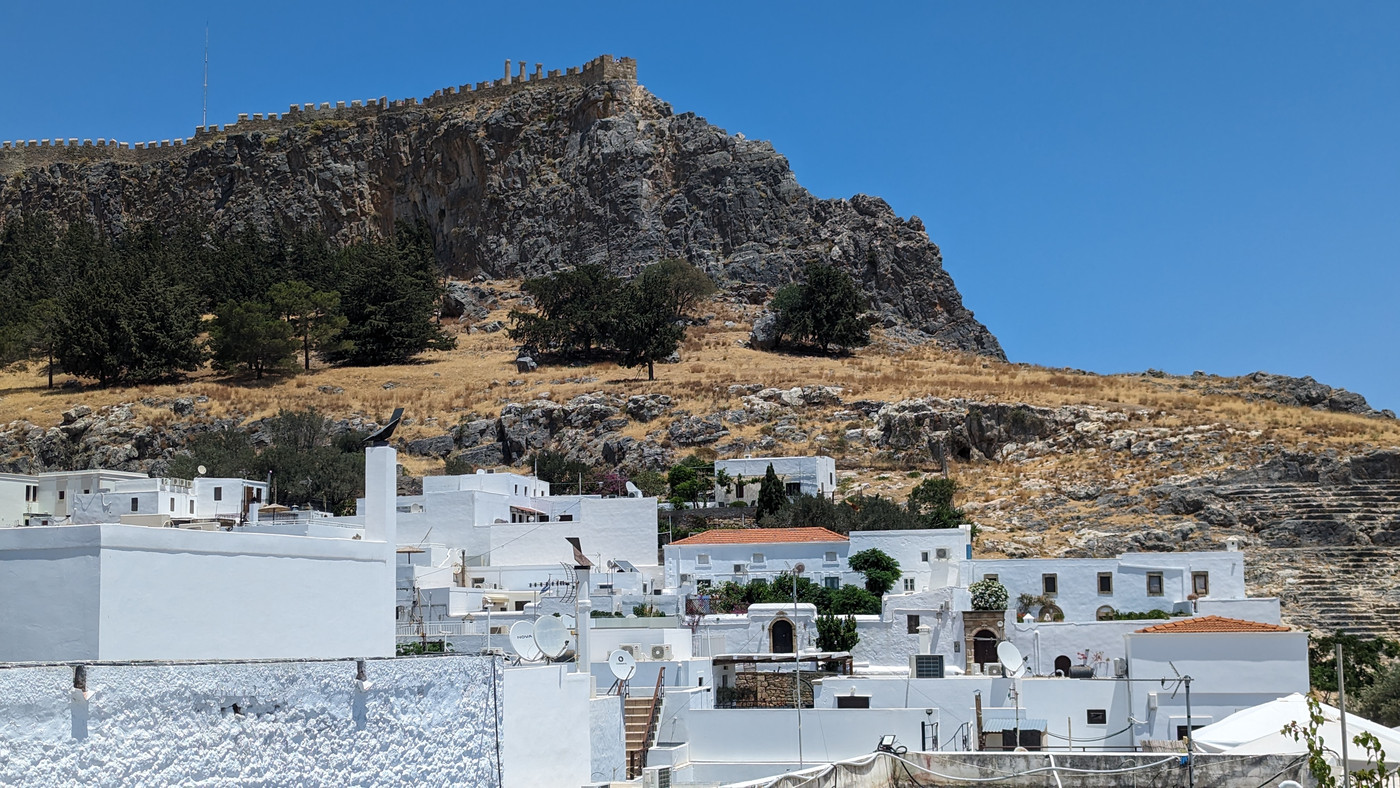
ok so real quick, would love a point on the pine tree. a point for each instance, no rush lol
(251, 336)
(314, 316)
(824, 309)
(771, 494)
(645, 330)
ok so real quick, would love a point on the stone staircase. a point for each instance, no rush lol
(1324, 589)
(1294, 514)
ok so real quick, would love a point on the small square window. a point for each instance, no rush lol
(1105, 582)
(793, 488)
(832, 582)
(831, 556)
(1154, 584)
(913, 625)
(703, 559)
(908, 584)
(989, 577)
(1097, 716)
(758, 558)
(1200, 583)
(1050, 584)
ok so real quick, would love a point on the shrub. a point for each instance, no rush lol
(988, 594)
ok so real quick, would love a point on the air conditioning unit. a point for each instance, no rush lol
(926, 666)
(661, 651)
(993, 669)
(656, 777)
(687, 579)
(635, 649)
(1120, 667)
(941, 554)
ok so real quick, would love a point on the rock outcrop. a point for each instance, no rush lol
(523, 183)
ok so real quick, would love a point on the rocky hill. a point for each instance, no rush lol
(518, 179)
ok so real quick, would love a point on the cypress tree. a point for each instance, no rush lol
(771, 494)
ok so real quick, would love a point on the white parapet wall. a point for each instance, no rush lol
(124, 592)
(424, 721)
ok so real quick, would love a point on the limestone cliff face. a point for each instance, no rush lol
(520, 183)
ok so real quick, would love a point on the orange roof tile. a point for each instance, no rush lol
(1215, 624)
(761, 536)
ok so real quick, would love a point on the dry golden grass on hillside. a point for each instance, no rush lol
(472, 381)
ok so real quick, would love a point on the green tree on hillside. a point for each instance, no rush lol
(390, 296)
(932, 502)
(314, 316)
(573, 311)
(249, 335)
(825, 309)
(647, 322)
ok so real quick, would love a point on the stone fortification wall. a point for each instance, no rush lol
(18, 155)
(420, 721)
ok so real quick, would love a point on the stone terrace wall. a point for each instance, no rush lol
(16, 155)
(408, 721)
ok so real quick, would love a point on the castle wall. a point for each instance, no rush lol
(17, 155)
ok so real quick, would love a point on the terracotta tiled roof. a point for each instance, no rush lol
(761, 536)
(1215, 624)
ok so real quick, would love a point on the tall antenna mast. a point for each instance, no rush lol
(204, 121)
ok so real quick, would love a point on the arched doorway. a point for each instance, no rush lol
(780, 635)
(1062, 665)
(984, 647)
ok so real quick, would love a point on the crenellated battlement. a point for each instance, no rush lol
(16, 155)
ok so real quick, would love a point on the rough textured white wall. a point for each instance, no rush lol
(422, 721)
(605, 732)
(546, 727)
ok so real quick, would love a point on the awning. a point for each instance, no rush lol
(1000, 724)
(528, 509)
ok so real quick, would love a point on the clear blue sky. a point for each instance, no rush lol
(1115, 186)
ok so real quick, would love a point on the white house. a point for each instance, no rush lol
(114, 591)
(44, 498)
(800, 476)
(160, 501)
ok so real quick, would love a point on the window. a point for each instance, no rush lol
(135, 504)
(191, 506)
(1104, 613)
(1049, 584)
(517, 489)
(908, 584)
(831, 556)
(172, 505)
(87, 492)
(566, 518)
(1181, 730)
(758, 558)
(1097, 716)
(913, 624)
(60, 494)
(1200, 583)
(739, 489)
(1105, 582)
(793, 488)
(703, 559)
(701, 585)
(1154, 583)
(218, 493)
(833, 582)
(989, 577)
(924, 556)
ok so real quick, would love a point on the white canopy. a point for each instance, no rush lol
(1259, 730)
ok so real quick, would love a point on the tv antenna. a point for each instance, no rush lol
(205, 117)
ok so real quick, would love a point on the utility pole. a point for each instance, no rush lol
(204, 118)
(1342, 707)
(797, 666)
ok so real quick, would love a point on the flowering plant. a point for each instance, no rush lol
(988, 594)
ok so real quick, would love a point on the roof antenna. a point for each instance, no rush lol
(205, 117)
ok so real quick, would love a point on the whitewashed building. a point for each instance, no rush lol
(800, 476)
(45, 498)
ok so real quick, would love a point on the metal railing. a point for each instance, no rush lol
(433, 628)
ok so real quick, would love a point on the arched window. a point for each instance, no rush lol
(1105, 613)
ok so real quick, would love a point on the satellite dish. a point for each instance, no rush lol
(522, 640)
(799, 569)
(551, 637)
(201, 470)
(1012, 663)
(622, 665)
